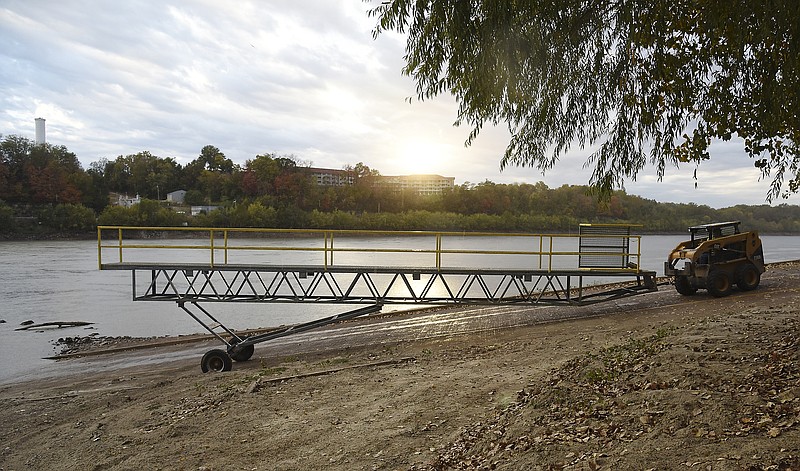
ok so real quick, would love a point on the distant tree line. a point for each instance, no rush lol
(44, 190)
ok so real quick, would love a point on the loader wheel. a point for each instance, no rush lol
(719, 284)
(216, 360)
(747, 277)
(684, 286)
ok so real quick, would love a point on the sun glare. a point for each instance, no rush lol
(418, 157)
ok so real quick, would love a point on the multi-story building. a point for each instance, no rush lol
(330, 176)
(421, 184)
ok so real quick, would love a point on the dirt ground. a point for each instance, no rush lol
(665, 382)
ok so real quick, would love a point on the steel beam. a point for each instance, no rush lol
(379, 285)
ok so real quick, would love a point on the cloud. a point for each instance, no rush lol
(303, 78)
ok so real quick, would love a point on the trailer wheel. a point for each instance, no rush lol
(747, 277)
(684, 286)
(216, 360)
(719, 284)
(244, 353)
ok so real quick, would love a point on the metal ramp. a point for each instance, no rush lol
(426, 268)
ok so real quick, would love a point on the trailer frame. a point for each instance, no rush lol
(604, 252)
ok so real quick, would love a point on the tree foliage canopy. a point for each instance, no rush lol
(48, 192)
(644, 80)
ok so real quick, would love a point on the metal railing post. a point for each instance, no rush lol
(99, 249)
(541, 247)
(225, 242)
(211, 236)
(638, 252)
(332, 249)
(438, 251)
(325, 251)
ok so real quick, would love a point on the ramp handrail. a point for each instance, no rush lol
(543, 248)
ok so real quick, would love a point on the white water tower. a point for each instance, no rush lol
(40, 139)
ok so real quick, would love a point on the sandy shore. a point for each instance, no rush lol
(659, 382)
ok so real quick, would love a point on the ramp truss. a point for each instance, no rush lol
(604, 253)
(377, 285)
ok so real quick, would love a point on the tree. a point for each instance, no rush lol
(643, 80)
(211, 173)
(259, 175)
(213, 159)
(7, 222)
(38, 173)
(261, 216)
(68, 217)
(281, 177)
(143, 173)
(93, 186)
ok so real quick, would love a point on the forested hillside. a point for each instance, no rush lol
(44, 189)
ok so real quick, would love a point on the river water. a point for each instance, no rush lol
(46, 281)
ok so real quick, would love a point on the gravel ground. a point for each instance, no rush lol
(659, 382)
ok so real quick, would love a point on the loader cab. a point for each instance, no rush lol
(706, 232)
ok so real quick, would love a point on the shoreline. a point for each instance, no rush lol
(71, 236)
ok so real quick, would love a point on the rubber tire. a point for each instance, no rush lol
(747, 277)
(719, 284)
(244, 354)
(216, 360)
(683, 286)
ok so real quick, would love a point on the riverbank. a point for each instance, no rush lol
(660, 381)
(47, 237)
(92, 235)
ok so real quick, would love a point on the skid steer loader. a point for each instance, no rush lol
(716, 257)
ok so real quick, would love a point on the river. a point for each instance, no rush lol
(45, 281)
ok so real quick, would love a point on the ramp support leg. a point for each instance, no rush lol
(209, 327)
(241, 349)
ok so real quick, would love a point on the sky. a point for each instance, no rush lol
(290, 77)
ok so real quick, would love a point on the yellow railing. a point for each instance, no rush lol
(221, 241)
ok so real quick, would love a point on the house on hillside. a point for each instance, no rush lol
(197, 210)
(176, 196)
(126, 201)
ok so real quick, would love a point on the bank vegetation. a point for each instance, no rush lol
(45, 192)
